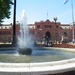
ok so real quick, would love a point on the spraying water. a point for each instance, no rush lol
(24, 38)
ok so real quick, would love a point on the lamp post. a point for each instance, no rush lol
(14, 24)
(73, 39)
(55, 19)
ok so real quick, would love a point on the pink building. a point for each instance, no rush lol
(40, 31)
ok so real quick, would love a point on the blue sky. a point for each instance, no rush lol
(37, 10)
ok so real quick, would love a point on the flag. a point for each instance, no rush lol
(65, 1)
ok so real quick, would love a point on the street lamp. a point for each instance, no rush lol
(55, 19)
(14, 24)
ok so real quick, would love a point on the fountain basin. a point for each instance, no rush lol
(39, 54)
(40, 68)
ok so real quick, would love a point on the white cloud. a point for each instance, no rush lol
(63, 14)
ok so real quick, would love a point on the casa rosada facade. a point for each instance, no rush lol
(40, 31)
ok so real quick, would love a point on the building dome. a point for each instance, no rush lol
(47, 20)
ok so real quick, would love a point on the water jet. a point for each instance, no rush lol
(24, 38)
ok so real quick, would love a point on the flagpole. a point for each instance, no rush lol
(72, 21)
(47, 14)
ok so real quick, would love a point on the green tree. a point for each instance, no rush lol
(5, 6)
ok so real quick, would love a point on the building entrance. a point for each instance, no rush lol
(47, 35)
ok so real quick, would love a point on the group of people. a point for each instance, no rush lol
(48, 44)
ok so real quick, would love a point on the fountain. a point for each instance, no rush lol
(39, 61)
(24, 38)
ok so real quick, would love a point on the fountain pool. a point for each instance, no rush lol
(42, 61)
(44, 54)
